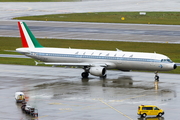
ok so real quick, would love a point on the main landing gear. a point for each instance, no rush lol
(85, 74)
(156, 76)
(96, 71)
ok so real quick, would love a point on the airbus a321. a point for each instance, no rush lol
(95, 62)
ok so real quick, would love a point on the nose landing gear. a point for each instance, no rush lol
(156, 76)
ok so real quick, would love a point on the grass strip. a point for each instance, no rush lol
(17, 61)
(169, 18)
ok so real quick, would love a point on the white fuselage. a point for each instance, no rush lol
(112, 59)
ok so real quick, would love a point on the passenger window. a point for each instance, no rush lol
(147, 108)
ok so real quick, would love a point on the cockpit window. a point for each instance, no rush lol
(166, 60)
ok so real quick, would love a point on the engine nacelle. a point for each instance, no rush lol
(97, 71)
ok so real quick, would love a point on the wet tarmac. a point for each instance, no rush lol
(61, 93)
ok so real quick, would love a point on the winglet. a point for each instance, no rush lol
(28, 39)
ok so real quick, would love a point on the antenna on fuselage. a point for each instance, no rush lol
(118, 50)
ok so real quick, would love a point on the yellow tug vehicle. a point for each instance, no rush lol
(149, 110)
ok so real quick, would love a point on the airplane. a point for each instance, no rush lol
(95, 62)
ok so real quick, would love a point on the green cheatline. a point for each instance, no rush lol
(171, 18)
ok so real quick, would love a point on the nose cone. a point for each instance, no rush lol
(175, 66)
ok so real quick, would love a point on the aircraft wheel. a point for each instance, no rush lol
(156, 78)
(85, 75)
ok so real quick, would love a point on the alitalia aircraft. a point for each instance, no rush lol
(95, 62)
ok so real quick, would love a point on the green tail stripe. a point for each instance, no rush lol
(34, 40)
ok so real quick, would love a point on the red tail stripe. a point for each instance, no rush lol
(24, 42)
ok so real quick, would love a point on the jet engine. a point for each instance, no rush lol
(97, 71)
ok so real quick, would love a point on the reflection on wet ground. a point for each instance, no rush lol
(111, 88)
(152, 118)
(59, 94)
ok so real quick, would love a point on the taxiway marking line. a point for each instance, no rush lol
(40, 117)
(115, 109)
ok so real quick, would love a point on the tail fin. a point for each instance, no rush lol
(28, 39)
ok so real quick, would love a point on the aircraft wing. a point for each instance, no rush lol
(79, 64)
